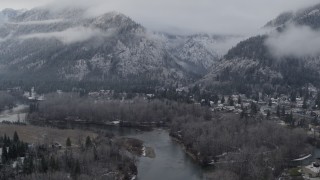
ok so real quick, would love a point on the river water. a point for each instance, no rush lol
(170, 163)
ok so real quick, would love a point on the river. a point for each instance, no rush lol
(170, 163)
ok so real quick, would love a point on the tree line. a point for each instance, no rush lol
(248, 147)
(70, 107)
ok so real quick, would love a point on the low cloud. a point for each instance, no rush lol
(51, 21)
(183, 16)
(295, 41)
(223, 46)
(69, 36)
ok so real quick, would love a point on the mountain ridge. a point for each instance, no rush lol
(68, 45)
(252, 65)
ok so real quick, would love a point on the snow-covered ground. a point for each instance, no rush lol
(14, 115)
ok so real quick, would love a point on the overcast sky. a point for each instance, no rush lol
(212, 16)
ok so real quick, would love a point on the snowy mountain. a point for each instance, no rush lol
(275, 61)
(194, 52)
(69, 45)
(10, 13)
(307, 16)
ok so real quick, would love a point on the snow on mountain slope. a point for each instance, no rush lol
(307, 16)
(253, 65)
(67, 44)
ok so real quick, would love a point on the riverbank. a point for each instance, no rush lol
(188, 152)
(136, 147)
(192, 154)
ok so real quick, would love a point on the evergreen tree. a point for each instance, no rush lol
(242, 114)
(21, 149)
(68, 143)
(13, 154)
(43, 165)
(4, 156)
(54, 165)
(292, 120)
(28, 165)
(293, 96)
(306, 94)
(95, 154)
(270, 103)
(230, 101)
(256, 97)
(208, 114)
(15, 137)
(283, 111)
(305, 106)
(222, 100)
(254, 108)
(77, 169)
(300, 92)
(216, 99)
(289, 119)
(239, 100)
(278, 111)
(6, 140)
(268, 114)
(88, 142)
(315, 121)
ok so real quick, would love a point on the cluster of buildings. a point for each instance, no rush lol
(32, 95)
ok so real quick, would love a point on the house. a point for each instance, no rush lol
(299, 104)
(182, 90)
(315, 113)
(211, 103)
(262, 103)
(298, 110)
(18, 163)
(230, 108)
(56, 145)
(246, 105)
(115, 123)
(33, 96)
(14, 90)
(312, 170)
(150, 96)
